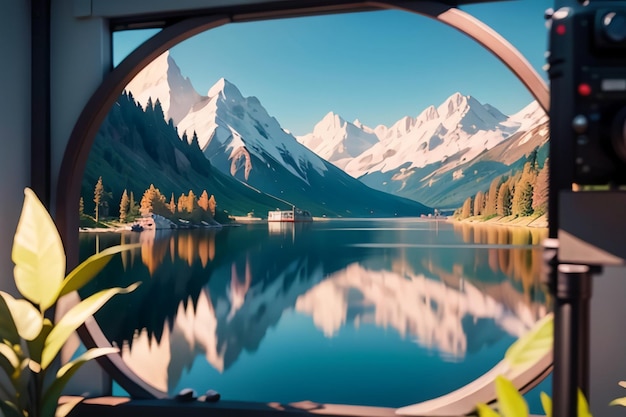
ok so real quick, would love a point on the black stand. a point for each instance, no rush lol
(570, 285)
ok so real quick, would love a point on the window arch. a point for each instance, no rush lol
(84, 132)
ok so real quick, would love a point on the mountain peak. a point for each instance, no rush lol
(331, 121)
(430, 113)
(162, 79)
(224, 88)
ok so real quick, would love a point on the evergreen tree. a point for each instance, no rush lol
(479, 203)
(466, 211)
(158, 110)
(124, 206)
(491, 203)
(172, 205)
(133, 207)
(504, 199)
(212, 205)
(97, 197)
(532, 160)
(523, 199)
(540, 191)
(182, 203)
(195, 143)
(153, 202)
(81, 207)
(203, 201)
(191, 203)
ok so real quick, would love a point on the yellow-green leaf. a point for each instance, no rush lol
(528, 349)
(583, 405)
(50, 398)
(28, 320)
(546, 403)
(7, 352)
(485, 411)
(65, 408)
(87, 356)
(75, 317)
(90, 267)
(510, 401)
(619, 401)
(38, 254)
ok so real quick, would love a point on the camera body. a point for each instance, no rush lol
(587, 70)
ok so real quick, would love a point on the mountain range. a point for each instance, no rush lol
(440, 157)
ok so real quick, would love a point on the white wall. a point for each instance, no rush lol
(14, 125)
(80, 57)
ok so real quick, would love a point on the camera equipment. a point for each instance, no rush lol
(588, 90)
(587, 69)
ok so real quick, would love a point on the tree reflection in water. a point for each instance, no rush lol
(453, 290)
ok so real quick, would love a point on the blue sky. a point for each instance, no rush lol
(374, 66)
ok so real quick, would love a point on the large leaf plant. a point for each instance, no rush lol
(525, 351)
(30, 342)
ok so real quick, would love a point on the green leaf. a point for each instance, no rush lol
(8, 331)
(528, 349)
(485, 411)
(23, 384)
(546, 403)
(510, 401)
(35, 346)
(619, 401)
(583, 406)
(9, 409)
(7, 352)
(38, 254)
(28, 320)
(90, 267)
(51, 396)
(75, 317)
(87, 356)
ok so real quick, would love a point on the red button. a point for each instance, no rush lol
(560, 29)
(584, 89)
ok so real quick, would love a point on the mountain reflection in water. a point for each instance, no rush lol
(217, 294)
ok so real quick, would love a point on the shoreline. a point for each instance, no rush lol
(539, 222)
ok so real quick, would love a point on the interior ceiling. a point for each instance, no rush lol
(243, 10)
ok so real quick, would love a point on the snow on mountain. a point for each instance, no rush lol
(457, 130)
(530, 116)
(337, 140)
(162, 80)
(233, 127)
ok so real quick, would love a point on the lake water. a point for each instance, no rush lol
(382, 312)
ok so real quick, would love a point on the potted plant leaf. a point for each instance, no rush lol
(32, 380)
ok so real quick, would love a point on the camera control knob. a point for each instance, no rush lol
(580, 124)
(613, 26)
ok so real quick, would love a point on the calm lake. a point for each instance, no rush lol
(383, 312)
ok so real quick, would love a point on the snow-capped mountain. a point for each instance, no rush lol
(162, 79)
(406, 159)
(239, 138)
(337, 140)
(429, 157)
(230, 128)
(458, 130)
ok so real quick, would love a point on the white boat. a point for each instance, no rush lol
(293, 215)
